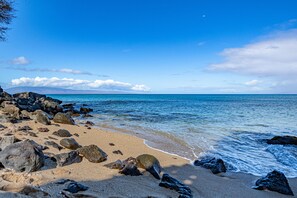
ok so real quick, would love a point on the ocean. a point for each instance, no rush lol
(231, 127)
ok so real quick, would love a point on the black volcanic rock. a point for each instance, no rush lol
(62, 133)
(32, 101)
(274, 181)
(172, 183)
(215, 165)
(23, 156)
(283, 140)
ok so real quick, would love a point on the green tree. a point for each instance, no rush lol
(6, 15)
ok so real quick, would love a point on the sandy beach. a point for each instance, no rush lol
(104, 182)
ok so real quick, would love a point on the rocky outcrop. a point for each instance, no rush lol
(32, 101)
(283, 140)
(63, 119)
(62, 133)
(150, 164)
(173, 184)
(42, 117)
(274, 181)
(215, 165)
(93, 153)
(22, 156)
(126, 167)
(70, 143)
(65, 159)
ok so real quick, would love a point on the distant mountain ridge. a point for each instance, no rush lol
(52, 90)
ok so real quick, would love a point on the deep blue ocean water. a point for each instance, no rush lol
(232, 127)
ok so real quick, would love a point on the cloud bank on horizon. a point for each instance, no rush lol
(79, 84)
(271, 62)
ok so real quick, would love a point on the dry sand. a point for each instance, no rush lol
(104, 182)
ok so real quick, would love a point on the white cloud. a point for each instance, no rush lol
(77, 83)
(273, 56)
(253, 82)
(20, 61)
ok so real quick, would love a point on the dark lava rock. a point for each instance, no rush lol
(68, 106)
(63, 119)
(75, 187)
(65, 159)
(69, 143)
(22, 156)
(111, 144)
(7, 140)
(43, 129)
(24, 128)
(84, 110)
(93, 153)
(215, 165)
(150, 164)
(130, 167)
(274, 181)
(75, 134)
(87, 116)
(90, 123)
(30, 101)
(62, 133)
(42, 117)
(53, 144)
(173, 184)
(118, 152)
(126, 167)
(283, 140)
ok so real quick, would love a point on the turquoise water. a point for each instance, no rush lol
(232, 127)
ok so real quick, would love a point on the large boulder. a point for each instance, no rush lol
(12, 110)
(65, 159)
(274, 181)
(62, 133)
(150, 164)
(173, 184)
(69, 143)
(283, 140)
(63, 119)
(93, 153)
(22, 156)
(215, 165)
(42, 117)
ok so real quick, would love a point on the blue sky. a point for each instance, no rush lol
(152, 46)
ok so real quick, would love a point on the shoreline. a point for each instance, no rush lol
(201, 181)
